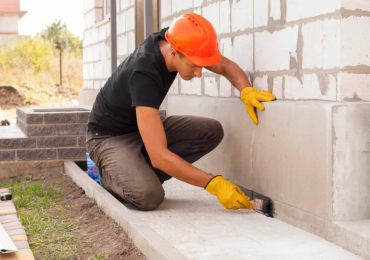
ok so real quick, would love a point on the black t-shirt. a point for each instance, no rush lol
(142, 79)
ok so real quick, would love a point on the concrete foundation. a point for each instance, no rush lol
(191, 224)
(86, 97)
(310, 157)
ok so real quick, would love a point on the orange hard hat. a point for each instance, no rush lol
(195, 37)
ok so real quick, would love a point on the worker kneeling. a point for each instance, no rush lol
(137, 148)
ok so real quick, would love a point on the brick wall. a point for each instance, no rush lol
(298, 49)
(96, 41)
(49, 136)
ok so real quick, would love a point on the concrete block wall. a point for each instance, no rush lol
(96, 42)
(311, 157)
(298, 49)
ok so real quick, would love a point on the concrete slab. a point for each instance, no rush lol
(11, 132)
(200, 228)
(193, 222)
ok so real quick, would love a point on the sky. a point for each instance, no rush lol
(41, 13)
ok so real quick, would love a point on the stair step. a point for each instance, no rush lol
(353, 236)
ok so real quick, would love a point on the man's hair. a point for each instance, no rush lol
(179, 53)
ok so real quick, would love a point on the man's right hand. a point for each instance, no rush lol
(229, 195)
(252, 98)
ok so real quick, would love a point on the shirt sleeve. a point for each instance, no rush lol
(144, 90)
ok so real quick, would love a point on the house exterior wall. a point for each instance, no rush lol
(310, 143)
(9, 23)
(309, 156)
(96, 43)
(9, 15)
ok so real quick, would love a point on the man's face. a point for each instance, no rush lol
(186, 68)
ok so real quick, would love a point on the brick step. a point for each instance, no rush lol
(68, 115)
(53, 121)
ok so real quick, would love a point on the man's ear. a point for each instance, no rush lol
(173, 53)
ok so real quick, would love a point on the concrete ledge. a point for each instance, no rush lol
(144, 237)
(353, 236)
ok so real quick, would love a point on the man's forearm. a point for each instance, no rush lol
(236, 76)
(177, 167)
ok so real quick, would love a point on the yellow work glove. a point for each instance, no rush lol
(229, 195)
(252, 98)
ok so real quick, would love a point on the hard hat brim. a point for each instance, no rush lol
(205, 62)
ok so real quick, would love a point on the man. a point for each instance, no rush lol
(136, 148)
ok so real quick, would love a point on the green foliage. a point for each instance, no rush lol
(99, 256)
(32, 64)
(32, 54)
(54, 34)
(74, 45)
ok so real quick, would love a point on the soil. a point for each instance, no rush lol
(95, 228)
(52, 96)
(10, 97)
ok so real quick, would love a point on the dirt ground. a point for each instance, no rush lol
(10, 97)
(95, 230)
(54, 96)
(101, 231)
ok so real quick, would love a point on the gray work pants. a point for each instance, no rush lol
(127, 170)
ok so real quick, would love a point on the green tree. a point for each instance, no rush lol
(74, 45)
(56, 34)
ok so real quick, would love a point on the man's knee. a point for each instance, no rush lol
(149, 199)
(215, 130)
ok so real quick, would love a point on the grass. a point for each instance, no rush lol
(50, 226)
